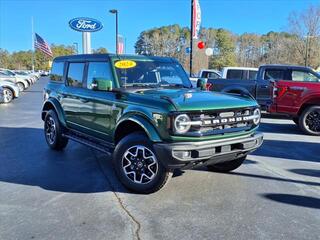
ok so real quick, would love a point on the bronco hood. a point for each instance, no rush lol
(195, 100)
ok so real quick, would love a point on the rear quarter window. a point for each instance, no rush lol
(235, 74)
(274, 74)
(57, 71)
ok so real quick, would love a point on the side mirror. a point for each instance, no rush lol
(201, 83)
(101, 84)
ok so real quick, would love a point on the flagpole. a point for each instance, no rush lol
(32, 46)
(191, 37)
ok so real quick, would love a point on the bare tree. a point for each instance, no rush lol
(306, 28)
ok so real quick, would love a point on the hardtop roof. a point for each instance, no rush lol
(96, 56)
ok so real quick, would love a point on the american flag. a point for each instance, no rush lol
(42, 45)
(120, 44)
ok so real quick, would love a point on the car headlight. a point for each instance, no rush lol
(182, 124)
(256, 116)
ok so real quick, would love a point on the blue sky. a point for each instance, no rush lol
(51, 18)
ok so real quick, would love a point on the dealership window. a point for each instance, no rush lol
(98, 70)
(75, 74)
(57, 71)
(274, 74)
(301, 76)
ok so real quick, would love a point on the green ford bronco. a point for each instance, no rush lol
(144, 112)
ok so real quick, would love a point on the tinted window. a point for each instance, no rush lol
(301, 76)
(235, 74)
(211, 75)
(98, 70)
(57, 71)
(274, 74)
(75, 74)
(253, 75)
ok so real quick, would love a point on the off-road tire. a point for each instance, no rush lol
(309, 120)
(119, 159)
(56, 141)
(227, 166)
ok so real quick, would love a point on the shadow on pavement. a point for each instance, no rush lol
(301, 201)
(274, 178)
(26, 159)
(291, 150)
(280, 128)
(306, 172)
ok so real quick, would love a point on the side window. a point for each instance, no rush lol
(75, 74)
(235, 74)
(274, 74)
(301, 76)
(253, 75)
(213, 75)
(57, 71)
(98, 70)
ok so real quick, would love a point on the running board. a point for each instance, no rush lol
(90, 142)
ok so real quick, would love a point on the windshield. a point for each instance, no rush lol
(153, 74)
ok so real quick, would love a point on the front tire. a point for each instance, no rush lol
(227, 166)
(309, 120)
(53, 132)
(137, 165)
(8, 95)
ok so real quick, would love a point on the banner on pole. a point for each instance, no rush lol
(196, 21)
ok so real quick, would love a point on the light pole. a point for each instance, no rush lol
(76, 47)
(115, 11)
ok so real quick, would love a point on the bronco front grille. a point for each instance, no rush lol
(221, 122)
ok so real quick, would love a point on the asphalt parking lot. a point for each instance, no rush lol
(74, 194)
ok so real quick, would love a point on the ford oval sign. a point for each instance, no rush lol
(85, 24)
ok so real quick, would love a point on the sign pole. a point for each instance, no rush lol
(191, 37)
(32, 44)
(86, 42)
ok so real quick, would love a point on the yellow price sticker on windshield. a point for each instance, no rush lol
(124, 64)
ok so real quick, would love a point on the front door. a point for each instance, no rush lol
(99, 111)
(266, 84)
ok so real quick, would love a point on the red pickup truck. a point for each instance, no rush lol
(284, 89)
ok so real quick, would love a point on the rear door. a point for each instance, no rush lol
(71, 96)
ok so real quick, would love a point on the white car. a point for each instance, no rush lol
(22, 82)
(1, 95)
(9, 91)
(27, 75)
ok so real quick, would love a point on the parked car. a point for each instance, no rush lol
(9, 90)
(27, 75)
(284, 89)
(205, 73)
(144, 111)
(21, 82)
(1, 95)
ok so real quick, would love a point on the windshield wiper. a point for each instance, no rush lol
(141, 85)
(179, 85)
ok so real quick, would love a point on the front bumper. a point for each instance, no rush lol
(185, 155)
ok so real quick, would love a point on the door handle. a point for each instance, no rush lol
(84, 100)
(264, 86)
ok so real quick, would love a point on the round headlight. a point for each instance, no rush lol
(182, 124)
(257, 116)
